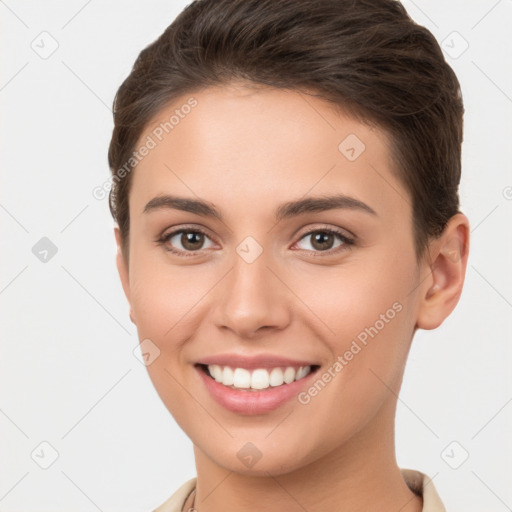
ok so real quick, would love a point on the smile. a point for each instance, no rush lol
(250, 400)
(256, 379)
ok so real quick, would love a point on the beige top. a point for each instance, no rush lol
(418, 482)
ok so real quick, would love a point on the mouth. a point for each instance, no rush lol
(256, 379)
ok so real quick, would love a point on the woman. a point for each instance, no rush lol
(285, 186)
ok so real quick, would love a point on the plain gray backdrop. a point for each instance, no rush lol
(82, 427)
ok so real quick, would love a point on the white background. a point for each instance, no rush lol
(68, 373)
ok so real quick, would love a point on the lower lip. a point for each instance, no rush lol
(253, 402)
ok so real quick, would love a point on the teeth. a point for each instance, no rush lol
(276, 377)
(241, 378)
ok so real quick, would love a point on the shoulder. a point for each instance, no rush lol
(176, 501)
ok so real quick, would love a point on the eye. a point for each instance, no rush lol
(186, 242)
(323, 240)
(190, 240)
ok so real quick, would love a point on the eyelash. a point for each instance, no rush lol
(347, 242)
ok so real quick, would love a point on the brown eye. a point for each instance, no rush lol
(185, 242)
(324, 240)
(191, 241)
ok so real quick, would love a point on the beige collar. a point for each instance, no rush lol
(418, 482)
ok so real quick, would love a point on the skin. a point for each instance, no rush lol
(246, 150)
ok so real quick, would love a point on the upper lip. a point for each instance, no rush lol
(253, 362)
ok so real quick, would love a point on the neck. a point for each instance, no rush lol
(362, 474)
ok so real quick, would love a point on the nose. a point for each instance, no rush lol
(252, 299)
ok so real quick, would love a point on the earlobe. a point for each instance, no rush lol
(122, 268)
(442, 290)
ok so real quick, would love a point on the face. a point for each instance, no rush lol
(284, 241)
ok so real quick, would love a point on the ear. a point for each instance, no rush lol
(122, 268)
(441, 291)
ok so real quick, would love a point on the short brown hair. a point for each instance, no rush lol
(366, 56)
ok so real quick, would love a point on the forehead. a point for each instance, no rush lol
(253, 144)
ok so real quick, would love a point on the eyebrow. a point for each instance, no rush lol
(283, 211)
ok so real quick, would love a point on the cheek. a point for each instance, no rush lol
(347, 299)
(163, 295)
(372, 323)
(334, 305)
(365, 316)
(166, 302)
